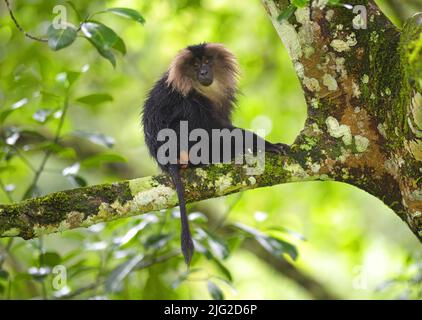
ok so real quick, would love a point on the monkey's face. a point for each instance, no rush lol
(209, 68)
(203, 68)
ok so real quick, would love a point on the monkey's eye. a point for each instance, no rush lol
(196, 63)
(206, 61)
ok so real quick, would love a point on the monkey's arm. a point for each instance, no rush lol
(259, 142)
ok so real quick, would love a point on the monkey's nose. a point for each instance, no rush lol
(203, 72)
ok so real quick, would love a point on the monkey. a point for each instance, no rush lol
(199, 87)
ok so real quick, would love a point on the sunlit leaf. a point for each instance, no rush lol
(183, 276)
(277, 246)
(300, 3)
(9, 188)
(50, 259)
(42, 115)
(288, 231)
(114, 280)
(218, 247)
(203, 250)
(60, 151)
(95, 99)
(274, 246)
(97, 138)
(59, 38)
(96, 246)
(39, 273)
(4, 114)
(104, 39)
(98, 159)
(131, 234)
(71, 170)
(19, 104)
(226, 272)
(120, 46)
(77, 180)
(127, 13)
(156, 241)
(68, 78)
(12, 138)
(198, 217)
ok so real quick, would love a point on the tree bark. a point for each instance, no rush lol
(363, 89)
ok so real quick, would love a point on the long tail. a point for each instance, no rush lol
(186, 238)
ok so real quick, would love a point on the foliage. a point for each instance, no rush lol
(68, 119)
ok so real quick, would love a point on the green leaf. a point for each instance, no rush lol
(215, 291)
(120, 46)
(77, 180)
(300, 3)
(50, 259)
(183, 276)
(127, 13)
(113, 282)
(61, 38)
(95, 99)
(67, 78)
(217, 247)
(17, 105)
(98, 159)
(223, 269)
(288, 231)
(62, 152)
(4, 274)
(334, 2)
(198, 217)
(277, 246)
(156, 241)
(97, 138)
(129, 235)
(103, 39)
(286, 13)
(274, 246)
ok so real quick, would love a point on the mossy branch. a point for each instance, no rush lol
(83, 207)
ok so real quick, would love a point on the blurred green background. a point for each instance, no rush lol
(354, 247)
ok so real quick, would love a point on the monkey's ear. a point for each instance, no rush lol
(178, 71)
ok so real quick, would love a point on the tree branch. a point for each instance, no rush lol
(28, 35)
(83, 207)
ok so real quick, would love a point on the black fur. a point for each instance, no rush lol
(198, 50)
(164, 108)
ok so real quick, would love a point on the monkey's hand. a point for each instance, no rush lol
(279, 148)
